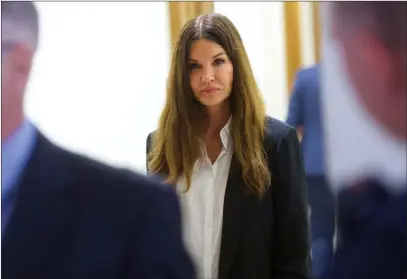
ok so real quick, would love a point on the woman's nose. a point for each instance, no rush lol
(207, 76)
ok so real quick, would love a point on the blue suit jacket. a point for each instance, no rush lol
(373, 225)
(78, 219)
(305, 111)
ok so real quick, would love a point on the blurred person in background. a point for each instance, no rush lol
(239, 173)
(304, 114)
(369, 172)
(66, 216)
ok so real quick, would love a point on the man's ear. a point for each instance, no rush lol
(377, 56)
(399, 71)
(21, 59)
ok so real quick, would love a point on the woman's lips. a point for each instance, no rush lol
(210, 90)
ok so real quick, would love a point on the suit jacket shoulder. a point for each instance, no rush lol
(277, 131)
(107, 215)
(119, 179)
(149, 141)
(307, 72)
(151, 213)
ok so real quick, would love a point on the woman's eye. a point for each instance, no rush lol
(193, 66)
(219, 61)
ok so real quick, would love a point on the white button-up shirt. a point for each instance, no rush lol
(202, 207)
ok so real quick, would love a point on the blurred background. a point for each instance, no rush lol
(102, 67)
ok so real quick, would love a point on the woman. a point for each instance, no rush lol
(239, 173)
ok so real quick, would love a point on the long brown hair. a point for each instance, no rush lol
(175, 145)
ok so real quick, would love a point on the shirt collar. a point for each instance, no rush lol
(15, 153)
(225, 134)
(225, 137)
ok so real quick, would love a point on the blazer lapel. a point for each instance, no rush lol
(42, 218)
(232, 220)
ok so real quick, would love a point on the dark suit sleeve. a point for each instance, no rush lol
(161, 253)
(295, 116)
(291, 251)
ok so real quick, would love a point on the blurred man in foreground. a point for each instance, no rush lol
(66, 216)
(366, 138)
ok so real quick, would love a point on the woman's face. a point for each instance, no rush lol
(211, 73)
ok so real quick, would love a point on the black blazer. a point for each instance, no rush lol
(78, 219)
(268, 239)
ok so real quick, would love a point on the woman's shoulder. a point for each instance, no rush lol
(149, 140)
(277, 130)
(151, 135)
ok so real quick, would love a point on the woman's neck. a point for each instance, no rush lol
(217, 117)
